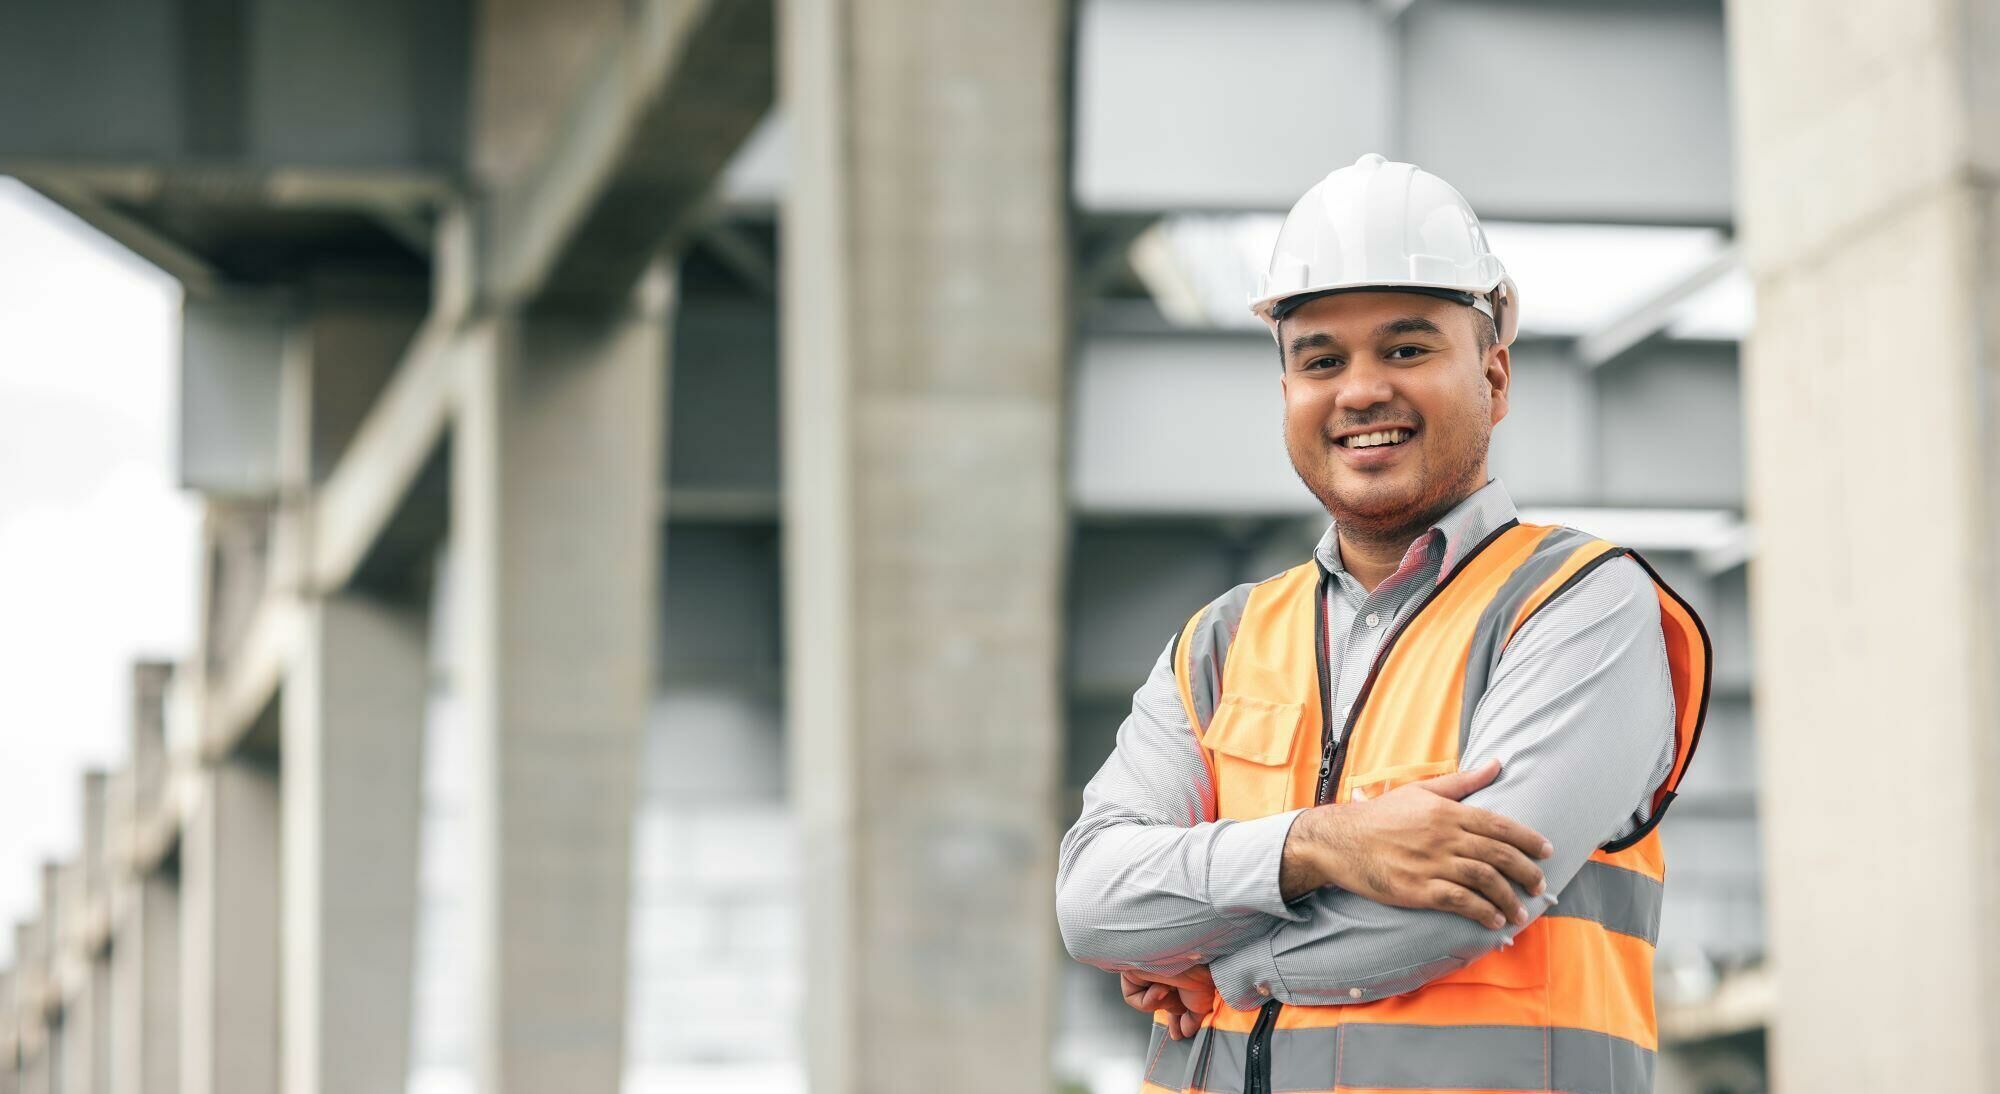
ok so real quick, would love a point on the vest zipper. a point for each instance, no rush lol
(1257, 1072)
(1333, 756)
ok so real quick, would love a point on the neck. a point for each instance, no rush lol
(1371, 554)
(1370, 557)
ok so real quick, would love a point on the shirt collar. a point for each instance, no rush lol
(1458, 531)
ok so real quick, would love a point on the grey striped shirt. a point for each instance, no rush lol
(1579, 711)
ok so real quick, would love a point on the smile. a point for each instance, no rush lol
(1377, 439)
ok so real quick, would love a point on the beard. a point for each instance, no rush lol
(1398, 503)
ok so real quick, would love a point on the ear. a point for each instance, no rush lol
(1499, 375)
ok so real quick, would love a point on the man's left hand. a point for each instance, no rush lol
(1186, 997)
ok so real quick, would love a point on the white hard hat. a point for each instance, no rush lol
(1380, 224)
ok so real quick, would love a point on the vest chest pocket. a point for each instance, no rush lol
(1253, 742)
(1369, 785)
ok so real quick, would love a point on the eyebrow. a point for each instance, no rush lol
(1407, 324)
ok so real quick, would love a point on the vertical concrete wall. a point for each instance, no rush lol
(1869, 141)
(145, 947)
(924, 287)
(229, 943)
(146, 990)
(353, 719)
(556, 464)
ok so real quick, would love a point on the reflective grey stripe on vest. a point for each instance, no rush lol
(1489, 637)
(1208, 647)
(1408, 1057)
(1167, 1060)
(1622, 900)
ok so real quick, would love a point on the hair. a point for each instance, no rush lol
(1483, 333)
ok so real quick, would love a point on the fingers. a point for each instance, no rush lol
(1460, 783)
(1506, 858)
(1196, 1001)
(1505, 829)
(1459, 900)
(1494, 888)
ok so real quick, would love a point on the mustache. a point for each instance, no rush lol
(1372, 422)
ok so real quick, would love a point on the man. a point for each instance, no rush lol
(1386, 820)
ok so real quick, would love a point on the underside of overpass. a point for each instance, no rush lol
(691, 486)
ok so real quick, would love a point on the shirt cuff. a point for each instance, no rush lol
(1247, 978)
(1243, 866)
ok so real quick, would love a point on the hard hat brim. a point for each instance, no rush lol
(1501, 302)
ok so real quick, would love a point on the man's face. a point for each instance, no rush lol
(1366, 362)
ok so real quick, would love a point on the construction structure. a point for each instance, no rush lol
(539, 739)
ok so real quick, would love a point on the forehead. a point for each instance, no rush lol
(1352, 316)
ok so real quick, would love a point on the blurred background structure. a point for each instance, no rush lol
(688, 488)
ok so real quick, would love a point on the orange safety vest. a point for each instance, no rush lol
(1568, 1006)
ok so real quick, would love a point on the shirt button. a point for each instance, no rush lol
(1262, 990)
(1373, 619)
(1354, 993)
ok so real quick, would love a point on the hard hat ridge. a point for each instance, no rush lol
(1385, 225)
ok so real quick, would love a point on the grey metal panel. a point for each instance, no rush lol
(1543, 449)
(724, 431)
(378, 84)
(1672, 426)
(364, 82)
(1537, 109)
(230, 358)
(1188, 104)
(1572, 110)
(1180, 424)
(1130, 591)
(89, 78)
(720, 604)
(1728, 624)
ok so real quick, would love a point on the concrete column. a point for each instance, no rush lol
(146, 989)
(52, 939)
(924, 288)
(10, 1035)
(556, 465)
(145, 947)
(229, 932)
(88, 1018)
(1868, 139)
(352, 723)
(29, 981)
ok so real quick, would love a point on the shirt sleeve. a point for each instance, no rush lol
(1148, 879)
(1580, 712)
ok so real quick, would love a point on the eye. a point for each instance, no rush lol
(1319, 364)
(1398, 354)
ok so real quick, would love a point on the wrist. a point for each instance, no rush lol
(1309, 859)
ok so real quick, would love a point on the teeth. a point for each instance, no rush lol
(1379, 437)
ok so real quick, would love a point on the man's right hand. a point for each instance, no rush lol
(1417, 846)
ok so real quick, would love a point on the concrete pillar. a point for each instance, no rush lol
(924, 288)
(229, 932)
(29, 981)
(52, 939)
(145, 947)
(10, 1035)
(87, 1019)
(556, 464)
(146, 989)
(352, 723)
(1868, 142)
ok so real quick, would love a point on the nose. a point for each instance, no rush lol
(1365, 384)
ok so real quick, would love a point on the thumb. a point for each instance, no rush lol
(1460, 783)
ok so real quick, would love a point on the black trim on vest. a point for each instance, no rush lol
(1332, 762)
(1669, 793)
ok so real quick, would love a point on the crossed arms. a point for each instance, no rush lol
(1386, 895)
